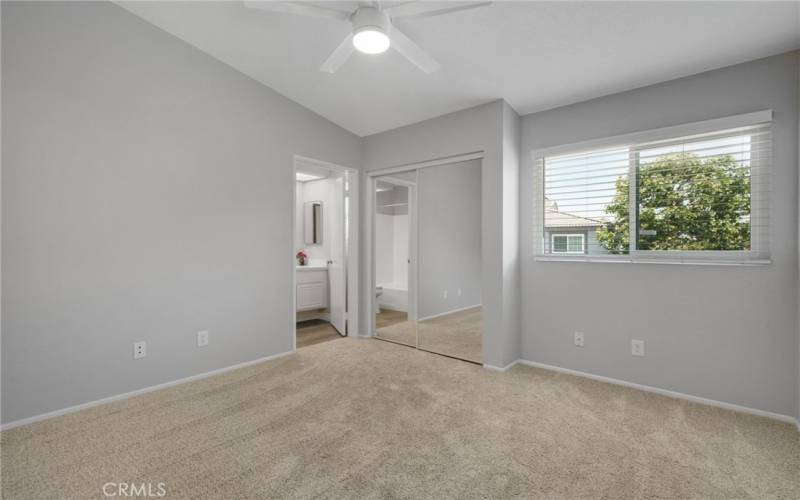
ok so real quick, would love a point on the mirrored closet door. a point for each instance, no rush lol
(427, 259)
(449, 259)
(394, 242)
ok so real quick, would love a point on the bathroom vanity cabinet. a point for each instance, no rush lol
(312, 288)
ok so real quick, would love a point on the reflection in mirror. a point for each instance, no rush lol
(449, 274)
(393, 242)
(312, 214)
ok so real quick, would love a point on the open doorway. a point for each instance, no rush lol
(325, 251)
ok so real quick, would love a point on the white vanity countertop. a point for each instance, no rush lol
(313, 267)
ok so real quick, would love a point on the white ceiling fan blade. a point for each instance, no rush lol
(413, 52)
(339, 55)
(299, 8)
(411, 11)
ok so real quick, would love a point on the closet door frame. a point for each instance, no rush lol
(372, 176)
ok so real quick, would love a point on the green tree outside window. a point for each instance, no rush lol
(685, 203)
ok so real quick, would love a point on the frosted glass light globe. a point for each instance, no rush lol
(371, 41)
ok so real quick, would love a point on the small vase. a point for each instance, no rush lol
(301, 261)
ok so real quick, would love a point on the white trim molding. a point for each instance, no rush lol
(445, 160)
(686, 129)
(137, 392)
(352, 263)
(502, 369)
(623, 259)
(663, 392)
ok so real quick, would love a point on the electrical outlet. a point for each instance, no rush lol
(444, 294)
(459, 292)
(579, 339)
(202, 338)
(637, 347)
(139, 349)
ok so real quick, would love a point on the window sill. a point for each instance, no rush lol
(619, 259)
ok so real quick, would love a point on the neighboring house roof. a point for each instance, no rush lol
(553, 219)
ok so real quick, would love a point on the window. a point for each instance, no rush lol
(694, 192)
(567, 243)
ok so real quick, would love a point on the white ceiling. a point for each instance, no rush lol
(535, 55)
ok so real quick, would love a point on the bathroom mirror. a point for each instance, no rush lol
(312, 214)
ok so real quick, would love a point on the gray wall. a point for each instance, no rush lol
(146, 195)
(479, 128)
(449, 203)
(724, 333)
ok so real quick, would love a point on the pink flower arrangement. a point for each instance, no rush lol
(301, 257)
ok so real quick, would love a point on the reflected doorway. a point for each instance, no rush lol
(394, 239)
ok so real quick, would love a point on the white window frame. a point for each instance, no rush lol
(568, 236)
(678, 132)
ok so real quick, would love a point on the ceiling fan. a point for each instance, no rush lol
(372, 27)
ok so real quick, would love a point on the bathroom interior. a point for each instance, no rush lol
(393, 248)
(427, 259)
(321, 230)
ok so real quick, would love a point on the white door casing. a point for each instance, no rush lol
(337, 269)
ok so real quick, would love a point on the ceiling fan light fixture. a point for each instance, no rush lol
(371, 41)
(371, 29)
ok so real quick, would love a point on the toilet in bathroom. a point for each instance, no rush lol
(378, 293)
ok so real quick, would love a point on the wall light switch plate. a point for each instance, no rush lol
(637, 347)
(202, 338)
(139, 350)
(444, 294)
(579, 339)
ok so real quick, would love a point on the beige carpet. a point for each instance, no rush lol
(457, 334)
(370, 419)
(404, 332)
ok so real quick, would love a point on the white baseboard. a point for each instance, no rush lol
(137, 392)
(450, 312)
(656, 390)
(499, 368)
(663, 392)
(393, 306)
(322, 314)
